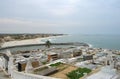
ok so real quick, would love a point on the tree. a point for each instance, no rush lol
(48, 43)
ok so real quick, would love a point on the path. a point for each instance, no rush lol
(2, 75)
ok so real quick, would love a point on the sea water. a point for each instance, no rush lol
(97, 41)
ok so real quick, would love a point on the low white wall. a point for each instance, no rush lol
(21, 75)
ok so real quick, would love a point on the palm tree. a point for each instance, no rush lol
(48, 43)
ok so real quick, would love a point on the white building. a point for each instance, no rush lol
(105, 73)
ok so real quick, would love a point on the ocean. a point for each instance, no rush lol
(97, 41)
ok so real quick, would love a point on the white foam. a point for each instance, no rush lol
(90, 45)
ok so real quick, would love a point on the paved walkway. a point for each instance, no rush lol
(118, 74)
(2, 75)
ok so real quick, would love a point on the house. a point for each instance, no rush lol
(87, 57)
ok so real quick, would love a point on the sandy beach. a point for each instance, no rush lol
(28, 41)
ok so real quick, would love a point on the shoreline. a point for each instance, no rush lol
(40, 42)
(26, 42)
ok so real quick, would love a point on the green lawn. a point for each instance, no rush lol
(56, 64)
(78, 73)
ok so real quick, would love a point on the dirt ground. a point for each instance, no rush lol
(62, 74)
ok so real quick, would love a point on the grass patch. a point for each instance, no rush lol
(44, 63)
(78, 73)
(56, 64)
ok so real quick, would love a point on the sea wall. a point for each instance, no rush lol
(71, 43)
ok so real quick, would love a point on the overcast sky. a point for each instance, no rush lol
(60, 16)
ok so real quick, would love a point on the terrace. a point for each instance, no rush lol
(63, 69)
